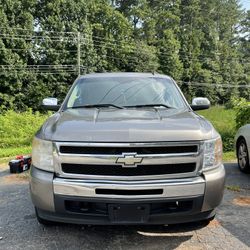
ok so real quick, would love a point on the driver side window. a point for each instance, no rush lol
(74, 97)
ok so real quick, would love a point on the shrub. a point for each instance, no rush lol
(242, 113)
(18, 129)
(233, 102)
(227, 137)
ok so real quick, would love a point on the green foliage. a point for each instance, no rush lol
(15, 14)
(228, 139)
(190, 40)
(11, 152)
(242, 113)
(234, 102)
(18, 129)
(224, 122)
(229, 156)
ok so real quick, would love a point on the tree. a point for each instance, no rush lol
(15, 52)
(244, 50)
(202, 44)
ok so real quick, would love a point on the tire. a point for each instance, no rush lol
(242, 156)
(210, 219)
(43, 221)
(207, 221)
(200, 223)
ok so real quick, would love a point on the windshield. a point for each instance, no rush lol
(125, 92)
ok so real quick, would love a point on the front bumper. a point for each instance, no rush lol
(58, 199)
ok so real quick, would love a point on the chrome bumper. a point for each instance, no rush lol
(44, 187)
(171, 188)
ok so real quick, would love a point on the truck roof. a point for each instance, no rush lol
(124, 74)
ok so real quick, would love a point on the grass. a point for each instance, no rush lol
(229, 156)
(233, 188)
(17, 131)
(222, 119)
(224, 122)
(8, 152)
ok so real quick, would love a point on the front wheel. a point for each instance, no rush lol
(243, 157)
(207, 221)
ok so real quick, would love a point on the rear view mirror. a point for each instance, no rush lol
(199, 103)
(50, 103)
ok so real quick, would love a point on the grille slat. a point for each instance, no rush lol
(118, 170)
(120, 150)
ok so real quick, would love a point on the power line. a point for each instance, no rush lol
(37, 50)
(167, 54)
(5, 69)
(38, 72)
(31, 36)
(65, 70)
(32, 39)
(113, 46)
(88, 37)
(39, 31)
(97, 39)
(41, 65)
(136, 60)
(41, 68)
(200, 84)
(111, 42)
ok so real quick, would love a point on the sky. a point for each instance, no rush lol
(246, 4)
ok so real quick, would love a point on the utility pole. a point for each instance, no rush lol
(79, 53)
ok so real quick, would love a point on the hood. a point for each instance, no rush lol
(126, 125)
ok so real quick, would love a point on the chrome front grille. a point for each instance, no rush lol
(174, 149)
(127, 161)
(119, 170)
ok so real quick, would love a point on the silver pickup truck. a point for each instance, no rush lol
(126, 148)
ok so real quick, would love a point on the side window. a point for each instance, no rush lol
(73, 97)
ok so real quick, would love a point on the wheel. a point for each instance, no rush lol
(208, 220)
(200, 223)
(43, 221)
(243, 157)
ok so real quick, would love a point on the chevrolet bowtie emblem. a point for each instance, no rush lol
(129, 160)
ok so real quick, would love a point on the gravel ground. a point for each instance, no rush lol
(19, 228)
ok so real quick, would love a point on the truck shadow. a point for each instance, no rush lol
(156, 230)
(132, 237)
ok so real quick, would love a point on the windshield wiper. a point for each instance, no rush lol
(149, 105)
(100, 105)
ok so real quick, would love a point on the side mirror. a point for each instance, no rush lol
(199, 103)
(50, 103)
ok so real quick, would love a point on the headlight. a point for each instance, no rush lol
(212, 153)
(42, 154)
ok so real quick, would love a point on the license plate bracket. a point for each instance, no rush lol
(128, 213)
